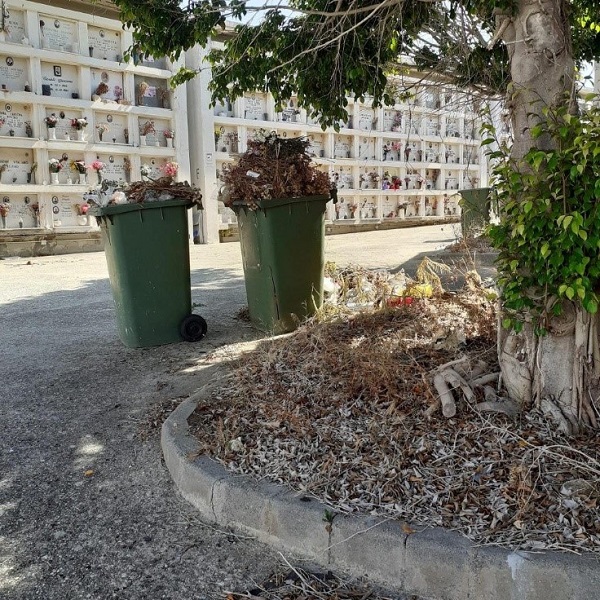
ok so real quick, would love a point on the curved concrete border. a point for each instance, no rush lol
(433, 563)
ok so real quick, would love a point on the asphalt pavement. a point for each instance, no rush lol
(87, 508)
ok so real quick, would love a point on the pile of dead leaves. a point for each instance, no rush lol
(342, 410)
(273, 167)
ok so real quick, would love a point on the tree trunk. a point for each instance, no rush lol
(539, 46)
(558, 372)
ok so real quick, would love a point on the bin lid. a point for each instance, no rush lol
(116, 209)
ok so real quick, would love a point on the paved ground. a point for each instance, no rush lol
(87, 509)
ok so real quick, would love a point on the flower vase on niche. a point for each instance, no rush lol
(82, 179)
(97, 166)
(54, 179)
(168, 133)
(80, 135)
(102, 129)
(147, 129)
(51, 133)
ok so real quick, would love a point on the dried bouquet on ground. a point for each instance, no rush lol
(273, 167)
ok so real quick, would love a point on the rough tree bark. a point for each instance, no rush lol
(559, 372)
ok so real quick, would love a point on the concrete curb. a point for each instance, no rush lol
(433, 563)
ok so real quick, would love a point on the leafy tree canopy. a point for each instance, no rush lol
(325, 50)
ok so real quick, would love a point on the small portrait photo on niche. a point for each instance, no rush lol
(109, 118)
(57, 71)
(111, 159)
(57, 24)
(10, 61)
(54, 199)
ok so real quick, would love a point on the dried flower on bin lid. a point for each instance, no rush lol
(284, 170)
(163, 188)
(118, 197)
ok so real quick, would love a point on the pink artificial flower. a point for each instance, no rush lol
(170, 169)
(97, 165)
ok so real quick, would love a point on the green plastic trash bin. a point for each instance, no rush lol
(283, 258)
(475, 215)
(146, 247)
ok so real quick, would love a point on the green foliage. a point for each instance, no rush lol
(549, 235)
(326, 50)
(273, 57)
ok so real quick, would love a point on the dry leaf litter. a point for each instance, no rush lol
(294, 583)
(345, 410)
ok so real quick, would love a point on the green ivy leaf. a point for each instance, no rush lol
(591, 306)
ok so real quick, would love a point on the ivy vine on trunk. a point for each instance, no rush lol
(549, 271)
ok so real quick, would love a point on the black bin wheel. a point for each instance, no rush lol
(193, 328)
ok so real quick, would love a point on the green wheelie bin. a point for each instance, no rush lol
(282, 244)
(475, 215)
(147, 252)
